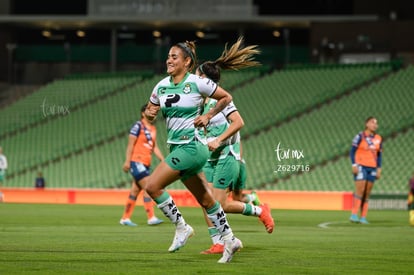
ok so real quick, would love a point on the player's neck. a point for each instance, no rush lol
(369, 132)
(176, 79)
(146, 122)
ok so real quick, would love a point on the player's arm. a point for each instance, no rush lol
(130, 146)
(236, 123)
(241, 150)
(158, 152)
(223, 99)
(355, 143)
(379, 162)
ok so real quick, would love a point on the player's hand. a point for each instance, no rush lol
(355, 169)
(151, 112)
(126, 166)
(214, 144)
(201, 121)
(378, 173)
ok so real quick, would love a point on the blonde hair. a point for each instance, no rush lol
(235, 58)
(238, 57)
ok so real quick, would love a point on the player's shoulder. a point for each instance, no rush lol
(165, 79)
(359, 134)
(357, 138)
(163, 82)
(379, 137)
(136, 127)
(200, 80)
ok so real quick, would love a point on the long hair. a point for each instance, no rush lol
(235, 58)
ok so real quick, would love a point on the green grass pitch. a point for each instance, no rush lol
(87, 239)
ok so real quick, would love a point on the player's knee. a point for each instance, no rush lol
(150, 188)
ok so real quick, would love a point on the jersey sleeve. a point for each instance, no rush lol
(355, 143)
(230, 108)
(206, 86)
(135, 129)
(154, 99)
(357, 140)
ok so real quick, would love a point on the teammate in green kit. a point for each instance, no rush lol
(224, 168)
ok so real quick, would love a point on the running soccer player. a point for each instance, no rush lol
(180, 98)
(225, 170)
(410, 201)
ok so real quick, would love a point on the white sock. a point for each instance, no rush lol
(171, 211)
(218, 218)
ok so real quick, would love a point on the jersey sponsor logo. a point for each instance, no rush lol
(162, 90)
(172, 98)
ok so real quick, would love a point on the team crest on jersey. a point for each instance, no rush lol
(187, 89)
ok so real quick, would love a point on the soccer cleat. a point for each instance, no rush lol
(154, 221)
(266, 218)
(354, 218)
(363, 220)
(127, 222)
(256, 200)
(181, 237)
(214, 249)
(230, 248)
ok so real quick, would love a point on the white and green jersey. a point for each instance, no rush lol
(181, 104)
(218, 125)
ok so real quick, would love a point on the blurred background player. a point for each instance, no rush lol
(3, 166)
(411, 199)
(223, 169)
(366, 158)
(141, 144)
(40, 181)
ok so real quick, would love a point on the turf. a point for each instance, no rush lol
(86, 239)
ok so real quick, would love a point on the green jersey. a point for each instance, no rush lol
(181, 104)
(218, 125)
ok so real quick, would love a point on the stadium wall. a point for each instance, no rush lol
(294, 200)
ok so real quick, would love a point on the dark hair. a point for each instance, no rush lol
(143, 108)
(188, 48)
(368, 119)
(211, 70)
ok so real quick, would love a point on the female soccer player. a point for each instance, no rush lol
(142, 143)
(180, 98)
(224, 166)
(410, 202)
(366, 158)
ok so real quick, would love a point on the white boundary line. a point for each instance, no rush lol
(325, 225)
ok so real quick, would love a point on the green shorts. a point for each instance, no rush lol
(241, 181)
(223, 173)
(188, 158)
(2, 175)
